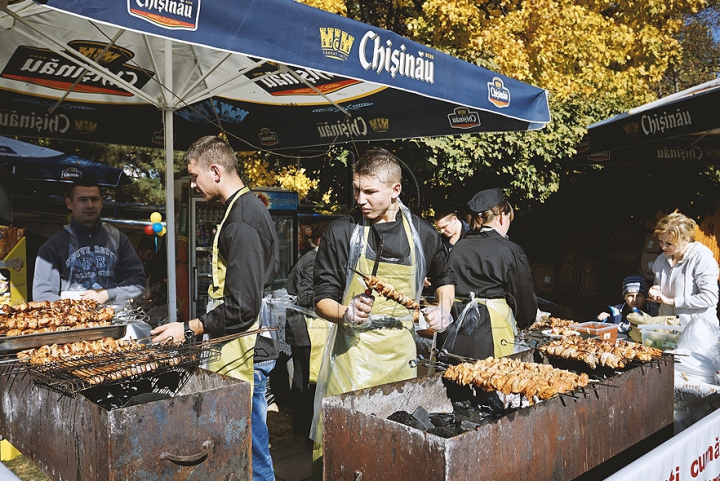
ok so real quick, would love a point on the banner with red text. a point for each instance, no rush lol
(692, 455)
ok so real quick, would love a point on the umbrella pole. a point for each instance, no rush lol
(170, 187)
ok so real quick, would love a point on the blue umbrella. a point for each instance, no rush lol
(36, 163)
(271, 74)
(697, 149)
(671, 127)
(276, 74)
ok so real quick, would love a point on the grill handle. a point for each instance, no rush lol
(192, 458)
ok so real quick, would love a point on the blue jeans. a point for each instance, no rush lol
(262, 465)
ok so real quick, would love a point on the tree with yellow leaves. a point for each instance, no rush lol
(255, 168)
(596, 58)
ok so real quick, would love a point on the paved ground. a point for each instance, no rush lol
(292, 463)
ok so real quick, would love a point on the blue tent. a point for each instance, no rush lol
(274, 75)
(681, 128)
(271, 75)
(35, 163)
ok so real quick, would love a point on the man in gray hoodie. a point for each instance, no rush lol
(88, 259)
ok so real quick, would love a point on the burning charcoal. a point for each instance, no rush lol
(404, 417)
(442, 419)
(466, 426)
(171, 381)
(422, 416)
(469, 413)
(509, 401)
(445, 431)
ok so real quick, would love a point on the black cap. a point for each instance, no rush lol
(486, 200)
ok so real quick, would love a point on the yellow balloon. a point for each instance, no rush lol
(69, 216)
(155, 217)
(162, 232)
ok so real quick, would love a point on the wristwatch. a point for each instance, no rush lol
(189, 333)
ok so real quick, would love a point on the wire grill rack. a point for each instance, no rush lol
(151, 361)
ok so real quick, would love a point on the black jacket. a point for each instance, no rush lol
(493, 267)
(331, 262)
(249, 244)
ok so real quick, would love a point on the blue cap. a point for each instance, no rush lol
(634, 284)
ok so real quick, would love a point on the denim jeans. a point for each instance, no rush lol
(262, 465)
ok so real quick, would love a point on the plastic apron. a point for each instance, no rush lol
(318, 331)
(502, 323)
(236, 356)
(377, 354)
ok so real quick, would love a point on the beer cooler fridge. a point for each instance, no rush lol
(204, 217)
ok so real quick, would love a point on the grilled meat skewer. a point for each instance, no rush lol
(387, 290)
(508, 376)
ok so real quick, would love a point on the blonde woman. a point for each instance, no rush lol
(686, 273)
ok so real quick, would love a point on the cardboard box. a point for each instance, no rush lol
(646, 262)
(651, 244)
(13, 275)
(544, 278)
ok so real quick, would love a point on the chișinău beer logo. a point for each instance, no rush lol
(85, 126)
(379, 124)
(42, 66)
(498, 95)
(268, 137)
(464, 118)
(170, 14)
(336, 43)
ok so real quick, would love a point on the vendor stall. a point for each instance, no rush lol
(559, 438)
(109, 405)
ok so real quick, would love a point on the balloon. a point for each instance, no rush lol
(69, 217)
(155, 217)
(157, 227)
(149, 229)
(162, 232)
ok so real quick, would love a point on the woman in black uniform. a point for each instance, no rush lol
(494, 289)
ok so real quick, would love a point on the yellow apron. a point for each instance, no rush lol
(318, 331)
(236, 356)
(502, 322)
(379, 354)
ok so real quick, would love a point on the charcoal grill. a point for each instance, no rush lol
(153, 362)
(202, 433)
(558, 439)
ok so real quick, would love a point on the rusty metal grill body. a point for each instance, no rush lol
(202, 433)
(558, 439)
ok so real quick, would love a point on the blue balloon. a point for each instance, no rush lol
(157, 227)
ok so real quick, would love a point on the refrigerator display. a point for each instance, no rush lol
(282, 205)
(204, 218)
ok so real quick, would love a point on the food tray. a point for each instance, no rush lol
(10, 344)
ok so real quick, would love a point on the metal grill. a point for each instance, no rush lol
(151, 362)
(560, 438)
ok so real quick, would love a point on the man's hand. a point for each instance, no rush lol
(99, 295)
(437, 318)
(358, 311)
(170, 332)
(602, 316)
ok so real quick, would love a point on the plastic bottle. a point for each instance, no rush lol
(198, 235)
